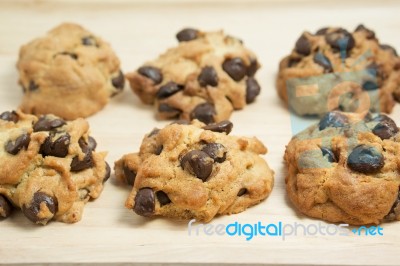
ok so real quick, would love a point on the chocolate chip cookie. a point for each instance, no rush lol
(69, 72)
(190, 170)
(48, 167)
(206, 77)
(346, 169)
(334, 69)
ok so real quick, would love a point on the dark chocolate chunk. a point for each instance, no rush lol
(32, 212)
(241, 192)
(165, 108)
(144, 202)
(92, 144)
(152, 73)
(87, 162)
(208, 77)
(46, 124)
(108, 173)
(159, 149)
(321, 31)
(329, 155)
(340, 39)
(162, 198)
(198, 163)
(332, 119)
(153, 132)
(204, 112)
(323, 61)
(252, 68)
(222, 127)
(187, 34)
(9, 116)
(386, 127)
(303, 45)
(13, 147)
(58, 147)
(168, 89)
(119, 81)
(130, 175)
(216, 151)
(369, 85)
(235, 68)
(365, 159)
(252, 90)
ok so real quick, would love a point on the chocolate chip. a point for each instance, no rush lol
(370, 33)
(369, 85)
(303, 45)
(92, 144)
(322, 31)
(241, 192)
(252, 68)
(323, 61)
(216, 151)
(87, 162)
(72, 55)
(13, 147)
(9, 116)
(89, 41)
(332, 119)
(5, 207)
(340, 39)
(204, 112)
(119, 81)
(46, 124)
(198, 163)
(152, 73)
(153, 132)
(168, 89)
(165, 108)
(222, 127)
(386, 127)
(57, 148)
(130, 175)
(33, 86)
(144, 202)
(34, 210)
(187, 34)
(208, 77)
(235, 68)
(389, 48)
(365, 159)
(252, 90)
(292, 62)
(162, 198)
(329, 155)
(159, 149)
(108, 173)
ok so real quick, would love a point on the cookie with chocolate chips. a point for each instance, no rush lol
(69, 72)
(334, 69)
(195, 171)
(205, 77)
(346, 169)
(48, 167)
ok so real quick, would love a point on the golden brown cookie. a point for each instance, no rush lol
(48, 167)
(334, 69)
(206, 77)
(186, 171)
(346, 169)
(69, 72)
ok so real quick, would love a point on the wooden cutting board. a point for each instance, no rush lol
(139, 31)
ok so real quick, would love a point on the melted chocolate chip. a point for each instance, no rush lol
(332, 119)
(365, 159)
(87, 162)
(163, 198)
(130, 175)
(252, 68)
(187, 35)
(386, 127)
(252, 90)
(241, 192)
(303, 45)
(204, 112)
(329, 155)
(32, 212)
(58, 147)
(144, 202)
(340, 39)
(5, 207)
(198, 163)
(323, 61)
(119, 81)
(222, 127)
(13, 147)
(370, 33)
(235, 68)
(168, 89)
(216, 151)
(208, 77)
(152, 73)
(46, 124)
(9, 116)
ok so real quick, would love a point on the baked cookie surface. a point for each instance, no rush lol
(186, 171)
(48, 167)
(69, 72)
(346, 169)
(206, 77)
(334, 69)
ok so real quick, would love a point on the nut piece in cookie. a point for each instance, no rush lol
(195, 171)
(346, 169)
(68, 72)
(48, 167)
(205, 77)
(334, 69)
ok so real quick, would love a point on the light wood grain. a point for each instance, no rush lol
(108, 232)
